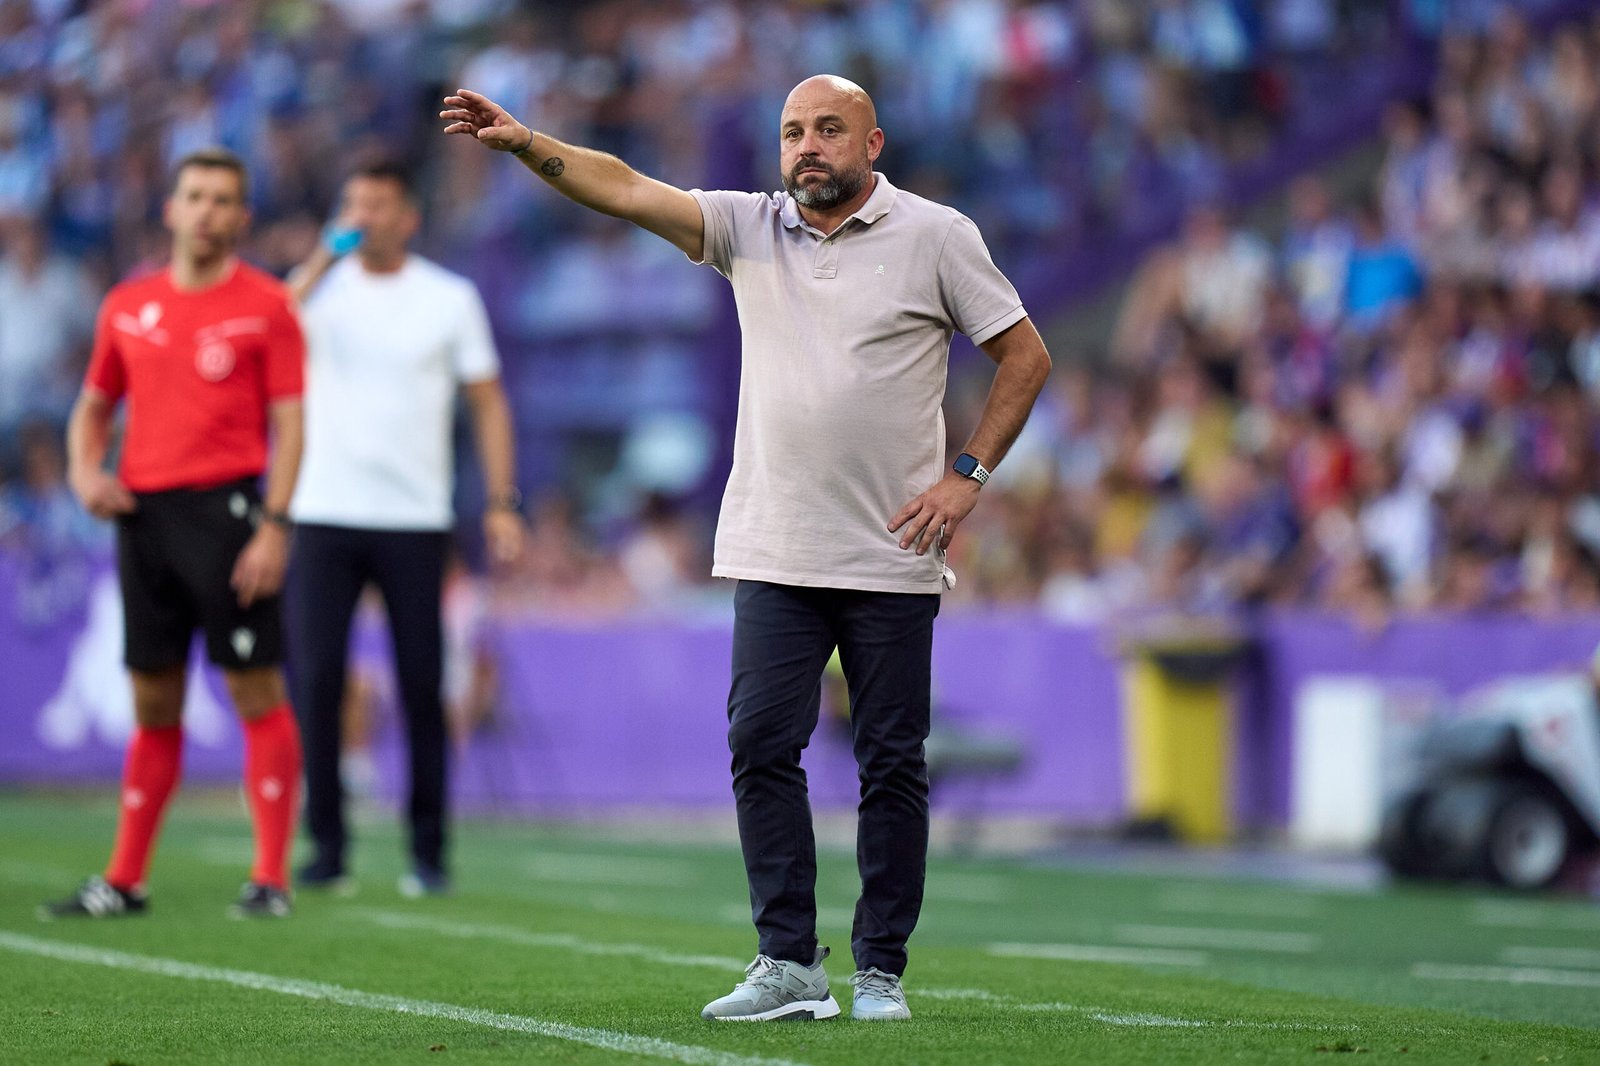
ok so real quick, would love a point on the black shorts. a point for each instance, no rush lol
(175, 557)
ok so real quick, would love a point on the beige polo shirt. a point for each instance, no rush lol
(846, 341)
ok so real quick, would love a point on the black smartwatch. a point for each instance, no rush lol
(968, 466)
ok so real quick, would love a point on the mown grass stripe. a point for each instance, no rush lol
(1510, 975)
(1133, 1019)
(1178, 936)
(1097, 953)
(1570, 958)
(507, 934)
(349, 997)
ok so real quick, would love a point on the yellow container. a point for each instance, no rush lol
(1179, 718)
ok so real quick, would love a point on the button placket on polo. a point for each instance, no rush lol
(826, 264)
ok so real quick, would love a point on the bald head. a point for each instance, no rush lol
(830, 138)
(830, 90)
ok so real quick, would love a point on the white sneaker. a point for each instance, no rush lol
(773, 990)
(879, 997)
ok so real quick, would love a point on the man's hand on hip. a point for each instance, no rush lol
(942, 507)
(258, 572)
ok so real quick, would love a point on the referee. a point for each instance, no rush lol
(208, 355)
(393, 338)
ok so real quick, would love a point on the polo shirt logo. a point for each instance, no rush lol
(879, 271)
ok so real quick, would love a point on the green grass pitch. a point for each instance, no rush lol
(571, 945)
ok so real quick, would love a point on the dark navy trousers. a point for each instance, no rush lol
(783, 636)
(331, 566)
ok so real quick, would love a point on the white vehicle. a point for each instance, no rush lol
(1508, 791)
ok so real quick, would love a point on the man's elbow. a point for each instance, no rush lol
(1036, 367)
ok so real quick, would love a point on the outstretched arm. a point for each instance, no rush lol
(594, 179)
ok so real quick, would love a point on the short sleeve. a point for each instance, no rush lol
(717, 210)
(286, 353)
(475, 355)
(106, 374)
(977, 297)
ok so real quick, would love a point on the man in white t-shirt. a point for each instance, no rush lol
(391, 339)
(839, 506)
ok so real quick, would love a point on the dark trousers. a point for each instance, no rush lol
(783, 636)
(332, 564)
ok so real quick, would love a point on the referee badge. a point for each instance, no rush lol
(214, 359)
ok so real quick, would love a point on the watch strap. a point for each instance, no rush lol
(968, 466)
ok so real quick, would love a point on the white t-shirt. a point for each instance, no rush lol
(386, 353)
(846, 337)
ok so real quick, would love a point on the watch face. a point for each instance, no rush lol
(965, 464)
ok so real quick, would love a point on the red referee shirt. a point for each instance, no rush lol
(199, 370)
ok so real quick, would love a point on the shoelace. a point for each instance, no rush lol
(875, 982)
(763, 971)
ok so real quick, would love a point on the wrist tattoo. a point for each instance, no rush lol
(552, 167)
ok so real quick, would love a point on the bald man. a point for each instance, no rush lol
(840, 505)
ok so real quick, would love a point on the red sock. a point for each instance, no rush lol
(272, 787)
(148, 779)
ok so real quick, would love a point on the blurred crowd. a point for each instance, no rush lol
(1389, 407)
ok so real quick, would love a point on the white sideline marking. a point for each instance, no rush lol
(511, 935)
(609, 870)
(628, 1043)
(1095, 953)
(1505, 913)
(1136, 1019)
(1575, 958)
(1510, 975)
(1178, 936)
(1140, 1020)
(1203, 901)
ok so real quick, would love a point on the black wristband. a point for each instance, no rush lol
(277, 518)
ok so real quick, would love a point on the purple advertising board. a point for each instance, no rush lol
(631, 713)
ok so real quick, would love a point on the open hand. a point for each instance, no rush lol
(493, 126)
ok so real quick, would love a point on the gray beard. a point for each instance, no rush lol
(836, 190)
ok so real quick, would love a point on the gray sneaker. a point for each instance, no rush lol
(879, 997)
(773, 990)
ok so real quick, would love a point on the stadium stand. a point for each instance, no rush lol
(1389, 406)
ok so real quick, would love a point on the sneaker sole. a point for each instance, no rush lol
(898, 1016)
(802, 1010)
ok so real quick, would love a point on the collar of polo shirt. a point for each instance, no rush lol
(877, 205)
